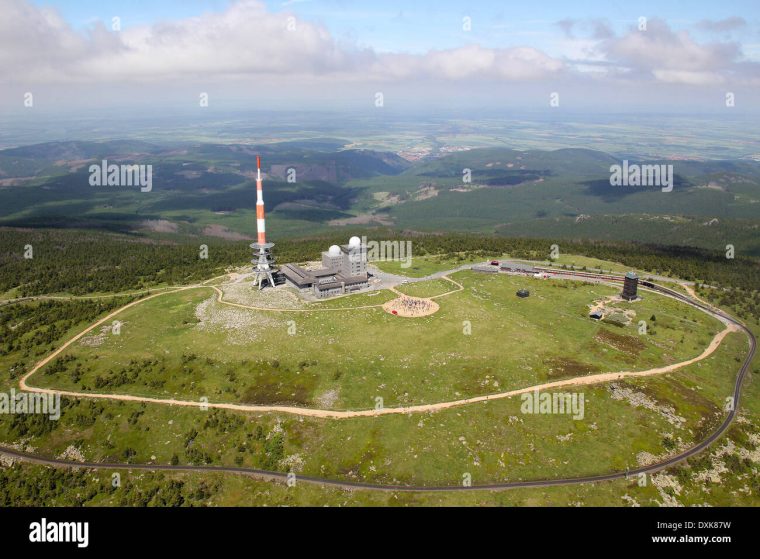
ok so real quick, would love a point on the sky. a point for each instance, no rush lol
(453, 54)
(400, 25)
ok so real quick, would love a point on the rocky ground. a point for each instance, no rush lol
(241, 325)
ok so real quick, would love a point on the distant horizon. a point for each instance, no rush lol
(635, 135)
(80, 56)
(651, 134)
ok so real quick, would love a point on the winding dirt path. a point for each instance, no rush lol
(346, 414)
(693, 294)
(614, 475)
(460, 287)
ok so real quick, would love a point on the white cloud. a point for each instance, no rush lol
(470, 62)
(247, 42)
(660, 48)
(722, 25)
(668, 56)
(244, 40)
(36, 40)
(687, 77)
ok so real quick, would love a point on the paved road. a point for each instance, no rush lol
(388, 280)
(347, 414)
(268, 475)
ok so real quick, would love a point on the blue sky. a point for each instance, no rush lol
(343, 52)
(416, 27)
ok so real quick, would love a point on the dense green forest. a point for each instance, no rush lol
(78, 262)
(84, 262)
(73, 262)
(26, 486)
(31, 328)
(207, 189)
(81, 262)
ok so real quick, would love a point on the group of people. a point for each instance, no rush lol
(412, 305)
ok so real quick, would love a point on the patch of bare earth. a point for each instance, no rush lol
(72, 164)
(621, 342)
(718, 467)
(669, 489)
(15, 181)
(241, 326)
(244, 293)
(425, 192)
(641, 400)
(159, 225)
(411, 307)
(327, 399)
(361, 219)
(569, 368)
(95, 340)
(386, 199)
(72, 453)
(224, 233)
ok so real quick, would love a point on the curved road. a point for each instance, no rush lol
(269, 475)
(343, 414)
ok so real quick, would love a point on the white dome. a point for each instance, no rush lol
(334, 250)
(354, 242)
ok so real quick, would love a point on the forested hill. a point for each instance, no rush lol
(322, 186)
(82, 262)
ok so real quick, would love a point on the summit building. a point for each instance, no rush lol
(344, 270)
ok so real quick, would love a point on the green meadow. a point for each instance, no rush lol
(624, 424)
(483, 340)
(490, 442)
(431, 288)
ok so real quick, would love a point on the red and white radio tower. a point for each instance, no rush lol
(262, 250)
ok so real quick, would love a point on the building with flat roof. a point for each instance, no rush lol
(344, 270)
(517, 268)
(485, 268)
